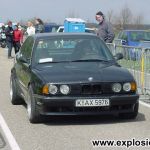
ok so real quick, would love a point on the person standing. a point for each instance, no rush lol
(2, 29)
(105, 30)
(30, 28)
(39, 26)
(3, 37)
(9, 38)
(17, 38)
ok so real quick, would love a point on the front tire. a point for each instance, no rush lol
(14, 96)
(32, 110)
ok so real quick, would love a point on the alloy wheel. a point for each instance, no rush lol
(11, 89)
(29, 107)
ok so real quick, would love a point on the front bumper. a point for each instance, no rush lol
(66, 105)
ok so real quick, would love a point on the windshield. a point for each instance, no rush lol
(138, 36)
(68, 49)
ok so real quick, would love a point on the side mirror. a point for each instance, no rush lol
(22, 59)
(123, 42)
(118, 56)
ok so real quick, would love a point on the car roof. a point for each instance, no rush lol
(89, 28)
(46, 35)
(62, 27)
(133, 30)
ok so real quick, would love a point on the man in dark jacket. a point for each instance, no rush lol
(9, 38)
(105, 30)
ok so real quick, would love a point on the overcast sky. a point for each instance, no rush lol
(57, 10)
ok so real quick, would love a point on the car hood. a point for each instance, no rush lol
(131, 43)
(81, 72)
(145, 44)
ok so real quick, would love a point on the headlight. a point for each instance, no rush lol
(64, 89)
(116, 87)
(127, 87)
(53, 89)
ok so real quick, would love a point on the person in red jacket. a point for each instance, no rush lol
(17, 38)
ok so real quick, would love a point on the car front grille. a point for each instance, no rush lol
(91, 89)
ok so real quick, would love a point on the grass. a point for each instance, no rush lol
(135, 65)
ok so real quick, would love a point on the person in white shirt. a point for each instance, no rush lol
(30, 29)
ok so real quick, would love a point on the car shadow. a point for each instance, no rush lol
(88, 120)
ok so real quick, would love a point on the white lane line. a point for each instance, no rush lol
(144, 104)
(8, 134)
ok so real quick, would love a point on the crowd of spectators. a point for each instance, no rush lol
(15, 33)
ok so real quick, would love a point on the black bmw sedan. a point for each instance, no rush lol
(71, 74)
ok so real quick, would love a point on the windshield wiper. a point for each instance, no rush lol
(52, 62)
(79, 60)
(92, 60)
(145, 40)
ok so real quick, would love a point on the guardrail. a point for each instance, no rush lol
(137, 61)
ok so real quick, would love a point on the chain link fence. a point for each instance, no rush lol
(137, 61)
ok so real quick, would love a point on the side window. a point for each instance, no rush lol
(120, 35)
(54, 29)
(124, 36)
(26, 49)
(61, 30)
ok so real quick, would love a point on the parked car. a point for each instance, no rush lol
(134, 38)
(51, 27)
(82, 78)
(87, 30)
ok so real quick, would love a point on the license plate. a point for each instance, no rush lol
(91, 102)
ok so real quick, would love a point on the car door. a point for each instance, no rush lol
(124, 38)
(24, 65)
(118, 39)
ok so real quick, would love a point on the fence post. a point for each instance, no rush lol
(142, 70)
(114, 48)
